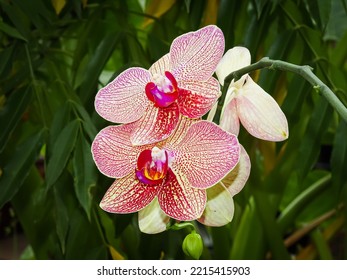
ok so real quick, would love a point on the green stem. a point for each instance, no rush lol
(304, 71)
(182, 225)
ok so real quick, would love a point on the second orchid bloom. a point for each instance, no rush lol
(176, 171)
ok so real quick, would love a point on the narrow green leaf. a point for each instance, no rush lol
(96, 65)
(60, 119)
(33, 207)
(85, 174)
(61, 219)
(322, 245)
(259, 5)
(272, 233)
(62, 149)
(87, 123)
(293, 209)
(339, 156)
(6, 59)
(9, 30)
(11, 113)
(337, 24)
(17, 169)
(84, 240)
(310, 144)
(320, 11)
(18, 18)
(249, 242)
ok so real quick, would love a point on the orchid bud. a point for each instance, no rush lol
(192, 245)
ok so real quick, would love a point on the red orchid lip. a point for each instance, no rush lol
(160, 97)
(152, 166)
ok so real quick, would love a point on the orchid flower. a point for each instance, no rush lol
(248, 103)
(179, 83)
(164, 179)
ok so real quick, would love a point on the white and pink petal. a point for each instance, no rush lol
(219, 209)
(161, 65)
(112, 151)
(152, 219)
(237, 178)
(234, 59)
(128, 195)
(194, 56)
(124, 100)
(229, 119)
(260, 114)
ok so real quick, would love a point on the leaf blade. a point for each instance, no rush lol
(62, 149)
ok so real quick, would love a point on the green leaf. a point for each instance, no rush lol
(61, 118)
(85, 174)
(96, 65)
(249, 241)
(62, 149)
(339, 156)
(259, 5)
(320, 11)
(61, 219)
(272, 233)
(296, 206)
(6, 59)
(9, 30)
(11, 114)
(18, 18)
(310, 144)
(87, 123)
(337, 24)
(17, 168)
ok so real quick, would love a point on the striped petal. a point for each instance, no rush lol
(128, 195)
(237, 178)
(113, 152)
(219, 209)
(156, 125)
(234, 59)
(124, 100)
(229, 119)
(161, 65)
(205, 155)
(195, 55)
(181, 202)
(197, 98)
(260, 114)
(152, 219)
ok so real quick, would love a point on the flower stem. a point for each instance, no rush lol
(304, 71)
(178, 226)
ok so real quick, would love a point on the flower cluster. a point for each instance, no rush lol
(167, 161)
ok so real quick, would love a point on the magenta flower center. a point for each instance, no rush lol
(152, 166)
(163, 91)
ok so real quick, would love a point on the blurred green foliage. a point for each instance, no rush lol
(54, 55)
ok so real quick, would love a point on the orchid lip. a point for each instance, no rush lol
(163, 91)
(152, 166)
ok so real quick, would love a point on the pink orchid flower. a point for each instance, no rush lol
(170, 176)
(179, 83)
(248, 103)
(219, 209)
